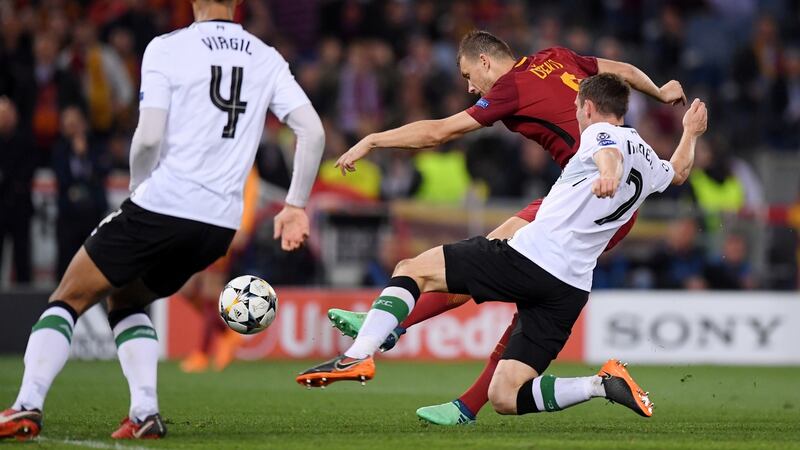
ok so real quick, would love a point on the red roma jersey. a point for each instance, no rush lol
(537, 99)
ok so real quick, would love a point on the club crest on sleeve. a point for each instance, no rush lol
(482, 103)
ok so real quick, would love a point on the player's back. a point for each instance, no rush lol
(217, 81)
(573, 226)
(537, 99)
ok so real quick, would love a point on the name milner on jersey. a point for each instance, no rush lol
(642, 150)
(227, 43)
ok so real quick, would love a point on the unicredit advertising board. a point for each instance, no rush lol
(636, 326)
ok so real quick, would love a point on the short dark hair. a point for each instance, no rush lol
(478, 41)
(609, 93)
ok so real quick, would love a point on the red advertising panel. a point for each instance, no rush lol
(302, 329)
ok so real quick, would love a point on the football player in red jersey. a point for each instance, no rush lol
(534, 96)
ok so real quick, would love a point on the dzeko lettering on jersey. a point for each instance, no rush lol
(227, 43)
(544, 69)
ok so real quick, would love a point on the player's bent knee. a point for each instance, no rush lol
(502, 394)
(502, 399)
(83, 285)
(404, 268)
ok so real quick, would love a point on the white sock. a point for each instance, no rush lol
(374, 331)
(45, 356)
(554, 394)
(389, 309)
(138, 349)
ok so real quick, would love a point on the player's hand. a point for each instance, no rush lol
(347, 162)
(672, 93)
(695, 121)
(605, 186)
(291, 225)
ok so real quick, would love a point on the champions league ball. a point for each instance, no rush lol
(248, 304)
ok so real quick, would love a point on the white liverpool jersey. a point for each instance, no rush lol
(573, 226)
(217, 82)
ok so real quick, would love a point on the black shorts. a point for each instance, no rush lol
(164, 251)
(548, 307)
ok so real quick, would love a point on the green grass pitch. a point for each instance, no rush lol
(258, 405)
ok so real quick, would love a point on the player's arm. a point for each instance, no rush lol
(420, 134)
(609, 164)
(671, 92)
(154, 103)
(292, 106)
(146, 144)
(695, 122)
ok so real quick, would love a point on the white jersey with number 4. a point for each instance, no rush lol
(217, 82)
(573, 226)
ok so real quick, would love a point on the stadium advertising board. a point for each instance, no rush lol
(681, 327)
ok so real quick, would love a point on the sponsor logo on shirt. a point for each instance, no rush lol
(482, 103)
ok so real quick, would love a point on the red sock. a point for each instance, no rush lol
(478, 394)
(431, 304)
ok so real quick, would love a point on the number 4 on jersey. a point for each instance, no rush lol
(233, 105)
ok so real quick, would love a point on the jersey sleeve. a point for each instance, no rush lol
(155, 91)
(288, 95)
(500, 102)
(663, 174)
(596, 138)
(588, 64)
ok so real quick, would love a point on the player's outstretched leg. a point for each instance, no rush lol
(464, 409)
(138, 350)
(45, 356)
(430, 304)
(82, 286)
(547, 393)
(388, 310)
(349, 322)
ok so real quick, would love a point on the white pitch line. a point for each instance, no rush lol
(90, 444)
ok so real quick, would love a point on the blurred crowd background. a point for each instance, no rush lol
(70, 75)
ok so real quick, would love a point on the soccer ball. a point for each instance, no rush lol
(248, 304)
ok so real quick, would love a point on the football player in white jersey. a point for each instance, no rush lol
(546, 268)
(204, 97)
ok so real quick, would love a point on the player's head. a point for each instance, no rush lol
(482, 59)
(602, 98)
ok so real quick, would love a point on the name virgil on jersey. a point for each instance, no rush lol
(227, 43)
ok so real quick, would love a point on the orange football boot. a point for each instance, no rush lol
(225, 353)
(338, 369)
(620, 388)
(195, 363)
